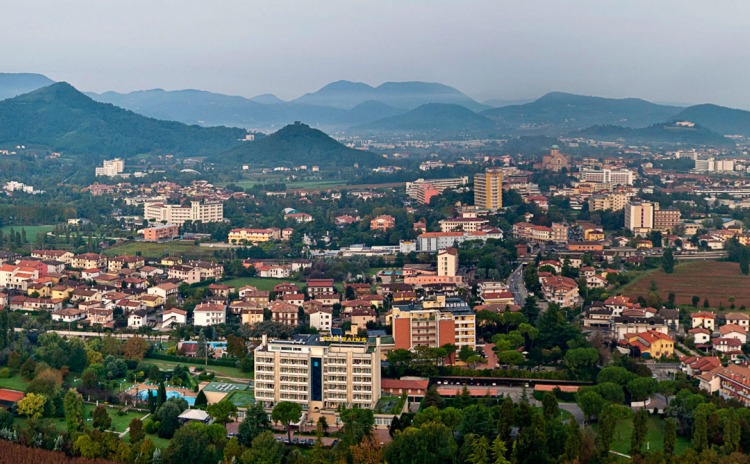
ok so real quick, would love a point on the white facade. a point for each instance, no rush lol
(111, 168)
(177, 214)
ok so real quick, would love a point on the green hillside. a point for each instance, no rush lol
(62, 118)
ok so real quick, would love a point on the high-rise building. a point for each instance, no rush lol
(319, 373)
(488, 189)
(639, 216)
(111, 168)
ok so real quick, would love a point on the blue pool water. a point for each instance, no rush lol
(143, 396)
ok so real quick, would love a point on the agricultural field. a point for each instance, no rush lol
(158, 250)
(716, 281)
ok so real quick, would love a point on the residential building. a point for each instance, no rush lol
(240, 236)
(423, 190)
(383, 223)
(321, 319)
(198, 211)
(560, 290)
(161, 232)
(208, 314)
(88, 261)
(488, 189)
(639, 216)
(653, 344)
(319, 373)
(285, 313)
(705, 319)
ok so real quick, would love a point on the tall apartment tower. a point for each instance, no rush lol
(488, 189)
(639, 216)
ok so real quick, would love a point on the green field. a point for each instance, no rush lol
(654, 436)
(260, 283)
(158, 250)
(14, 383)
(31, 231)
(232, 372)
(119, 423)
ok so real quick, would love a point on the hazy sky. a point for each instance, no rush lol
(662, 50)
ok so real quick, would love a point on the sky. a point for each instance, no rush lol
(666, 51)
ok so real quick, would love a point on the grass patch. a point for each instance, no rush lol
(654, 436)
(14, 383)
(222, 370)
(31, 231)
(159, 250)
(263, 284)
(119, 423)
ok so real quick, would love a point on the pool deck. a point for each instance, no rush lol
(148, 386)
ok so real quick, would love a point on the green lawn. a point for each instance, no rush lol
(221, 370)
(31, 231)
(158, 250)
(654, 436)
(260, 283)
(119, 423)
(307, 184)
(14, 383)
(161, 443)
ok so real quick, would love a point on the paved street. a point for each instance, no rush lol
(517, 286)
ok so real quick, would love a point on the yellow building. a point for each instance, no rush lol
(238, 236)
(652, 343)
(488, 189)
(593, 235)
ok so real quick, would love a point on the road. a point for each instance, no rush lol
(574, 410)
(517, 286)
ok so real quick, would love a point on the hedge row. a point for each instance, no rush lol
(185, 359)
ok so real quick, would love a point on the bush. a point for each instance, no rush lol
(151, 426)
(121, 412)
(6, 372)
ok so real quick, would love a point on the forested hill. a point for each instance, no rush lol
(62, 118)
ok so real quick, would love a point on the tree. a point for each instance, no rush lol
(695, 300)
(607, 424)
(640, 424)
(731, 432)
(432, 398)
(145, 452)
(358, 424)
(531, 445)
(670, 436)
(499, 450)
(101, 419)
(135, 348)
(591, 403)
(581, 361)
(222, 412)
(366, 452)
(667, 261)
(236, 346)
(264, 450)
(530, 309)
(161, 394)
(549, 405)
(73, 406)
(480, 451)
(32, 406)
(254, 423)
(286, 413)
(573, 442)
(167, 415)
(201, 349)
(642, 388)
(136, 430)
(194, 443)
(745, 260)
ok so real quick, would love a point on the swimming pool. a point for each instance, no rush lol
(143, 396)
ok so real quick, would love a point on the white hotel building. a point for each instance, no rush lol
(319, 373)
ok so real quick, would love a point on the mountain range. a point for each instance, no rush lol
(413, 108)
(61, 118)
